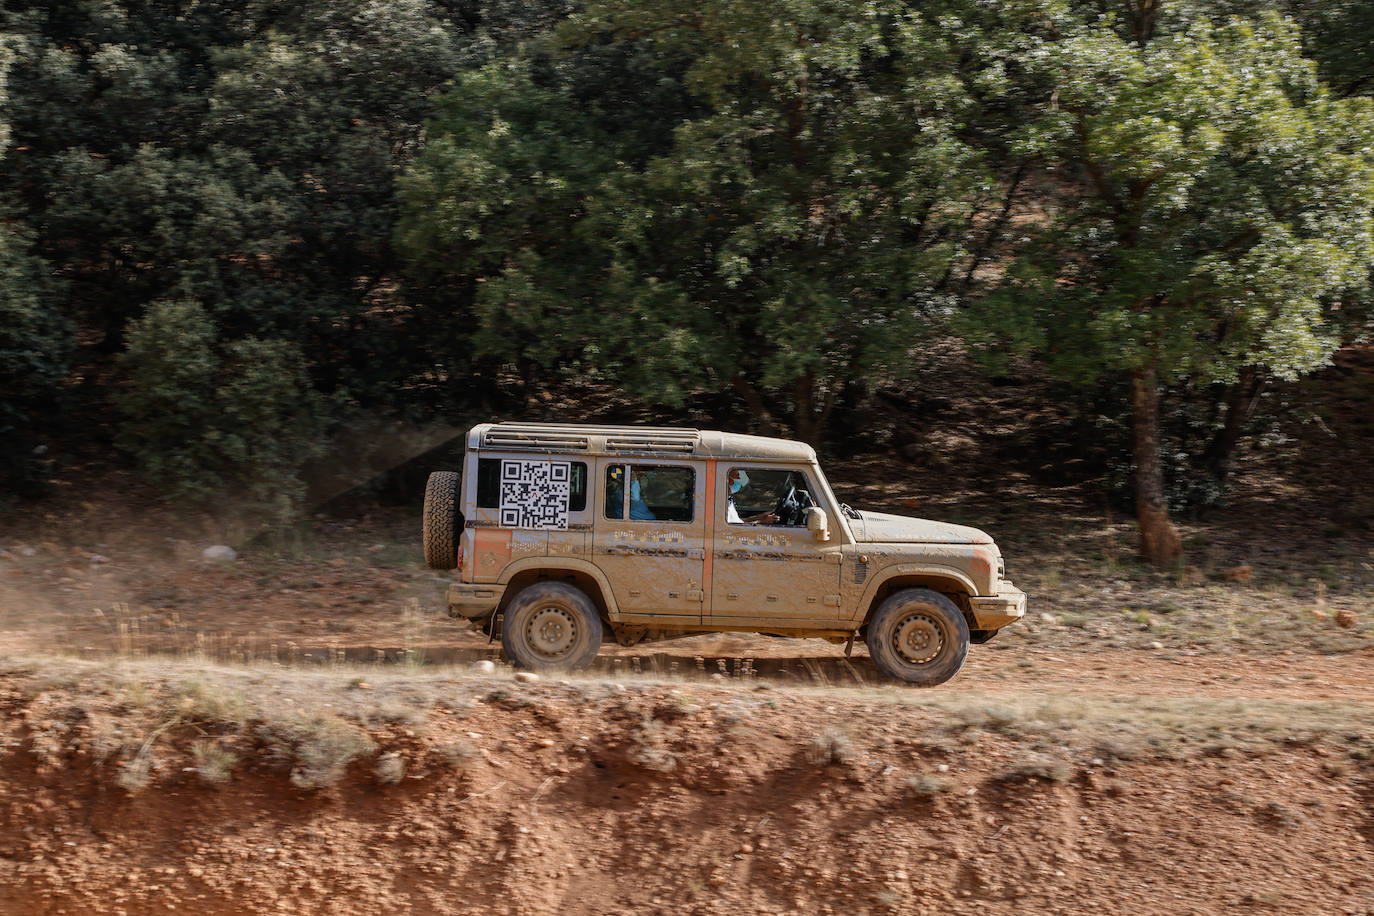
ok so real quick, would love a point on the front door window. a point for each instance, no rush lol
(767, 496)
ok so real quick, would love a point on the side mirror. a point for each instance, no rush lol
(817, 523)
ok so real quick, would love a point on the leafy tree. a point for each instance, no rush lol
(241, 155)
(789, 233)
(1213, 202)
(33, 357)
(1339, 35)
(497, 196)
(209, 421)
(33, 337)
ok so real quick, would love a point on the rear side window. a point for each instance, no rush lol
(664, 493)
(489, 483)
(489, 479)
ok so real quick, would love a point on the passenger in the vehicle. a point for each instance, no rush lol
(638, 507)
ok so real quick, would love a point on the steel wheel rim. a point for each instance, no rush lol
(918, 639)
(551, 632)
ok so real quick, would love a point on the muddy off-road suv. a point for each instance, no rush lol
(561, 533)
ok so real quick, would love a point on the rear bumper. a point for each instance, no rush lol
(473, 601)
(995, 612)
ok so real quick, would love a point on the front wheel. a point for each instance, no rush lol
(551, 626)
(918, 636)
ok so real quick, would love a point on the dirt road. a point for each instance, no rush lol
(307, 735)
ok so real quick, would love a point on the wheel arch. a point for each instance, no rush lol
(583, 575)
(953, 585)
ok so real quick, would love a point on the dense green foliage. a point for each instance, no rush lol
(787, 233)
(240, 155)
(210, 418)
(1219, 197)
(248, 227)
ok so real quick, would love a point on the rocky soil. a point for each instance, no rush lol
(154, 786)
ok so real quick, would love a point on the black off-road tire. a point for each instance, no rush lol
(441, 520)
(918, 636)
(551, 626)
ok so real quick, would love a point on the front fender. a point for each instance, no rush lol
(942, 578)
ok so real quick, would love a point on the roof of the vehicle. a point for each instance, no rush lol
(638, 441)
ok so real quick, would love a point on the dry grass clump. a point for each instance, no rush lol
(830, 746)
(650, 746)
(321, 747)
(390, 769)
(407, 711)
(1129, 728)
(135, 774)
(214, 763)
(460, 755)
(201, 699)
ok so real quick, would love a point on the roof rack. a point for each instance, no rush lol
(569, 437)
(513, 436)
(683, 444)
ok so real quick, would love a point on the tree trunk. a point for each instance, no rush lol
(804, 419)
(1141, 14)
(999, 224)
(754, 402)
(1160, 543)
(1241, 400)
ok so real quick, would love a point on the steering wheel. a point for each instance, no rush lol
(789, 509)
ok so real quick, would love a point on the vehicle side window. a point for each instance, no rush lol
(758, 491)
(577, 487)
(615, 491)
(489, 484)
(653, 492)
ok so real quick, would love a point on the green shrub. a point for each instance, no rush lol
(206, 417)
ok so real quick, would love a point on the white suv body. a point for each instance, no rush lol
(639, 521)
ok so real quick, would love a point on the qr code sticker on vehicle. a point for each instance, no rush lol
(534, 494)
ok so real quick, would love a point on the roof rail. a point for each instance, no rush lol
(683, 445)
(512, 436)
(568, 437)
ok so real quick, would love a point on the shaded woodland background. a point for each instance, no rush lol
(241, 241)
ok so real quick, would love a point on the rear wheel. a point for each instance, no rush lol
(551, 626)
(441, 520)
(918, 636)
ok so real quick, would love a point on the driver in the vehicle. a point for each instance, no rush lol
(738, 481)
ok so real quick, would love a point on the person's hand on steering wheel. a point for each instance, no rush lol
(786, 509)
